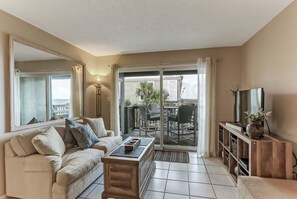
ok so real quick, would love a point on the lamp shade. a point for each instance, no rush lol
(98, 80)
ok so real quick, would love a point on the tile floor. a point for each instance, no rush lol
(201, 178)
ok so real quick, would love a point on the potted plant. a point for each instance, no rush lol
(144, 90)
(148, 94)
(127, 102)
(255, 128)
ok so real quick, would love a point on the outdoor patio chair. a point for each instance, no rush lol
(154, 108)
(185, 115)
(146, 116)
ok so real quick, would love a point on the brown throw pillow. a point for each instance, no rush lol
(97, 125)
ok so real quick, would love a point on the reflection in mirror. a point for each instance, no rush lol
(46, 86)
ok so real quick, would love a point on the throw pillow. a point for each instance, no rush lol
(22, 145)
(49, 142)
(97, 125)
(69, 140)
(84, 136)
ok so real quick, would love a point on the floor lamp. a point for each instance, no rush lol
(97, 82)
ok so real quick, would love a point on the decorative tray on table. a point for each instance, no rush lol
(132, 144)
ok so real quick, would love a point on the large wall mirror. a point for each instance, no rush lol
(46, 87)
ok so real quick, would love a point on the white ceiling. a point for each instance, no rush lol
(107, 27)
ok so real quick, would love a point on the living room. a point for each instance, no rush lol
(266, 59)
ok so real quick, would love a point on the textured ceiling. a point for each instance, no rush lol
(106, 27)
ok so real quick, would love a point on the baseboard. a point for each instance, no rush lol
(3, 197)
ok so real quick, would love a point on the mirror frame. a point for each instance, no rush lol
(13, 127)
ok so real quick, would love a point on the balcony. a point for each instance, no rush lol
(185, 135)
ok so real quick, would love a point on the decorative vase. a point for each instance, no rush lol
(255, 130)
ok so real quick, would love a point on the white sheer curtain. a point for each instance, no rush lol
(115, 116)
(77, 88)
(206, 106)
(17, 105)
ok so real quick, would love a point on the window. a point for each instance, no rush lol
(43, 97)
(60, 95)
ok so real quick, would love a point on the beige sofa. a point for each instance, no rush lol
(38, 176)
(252, 187)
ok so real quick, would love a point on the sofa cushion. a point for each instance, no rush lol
(22, 145)
(61, 130)
(49, 142)
(76, 163)
(108, 143)
(84, 136)
(97, 124)
(252, 187)
(69, 139)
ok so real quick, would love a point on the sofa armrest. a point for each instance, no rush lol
(8, 150)
(110, 133)
(39, 162)
(40, 174)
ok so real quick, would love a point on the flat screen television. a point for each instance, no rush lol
(247, 100)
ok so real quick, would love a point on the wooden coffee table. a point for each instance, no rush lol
(127, 174)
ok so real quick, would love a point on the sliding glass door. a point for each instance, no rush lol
(60, 96)
(160, 103)
(180, 108)
(43, 97)
(32, 94)
(140, 104)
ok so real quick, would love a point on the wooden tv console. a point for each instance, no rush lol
(267, 157)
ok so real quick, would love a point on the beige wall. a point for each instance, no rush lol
(12, 25)
(270, 61)
(227, 73)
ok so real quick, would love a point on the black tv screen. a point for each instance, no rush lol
(248, 100)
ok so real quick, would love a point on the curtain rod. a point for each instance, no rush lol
(162, 64)
(157, 65)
